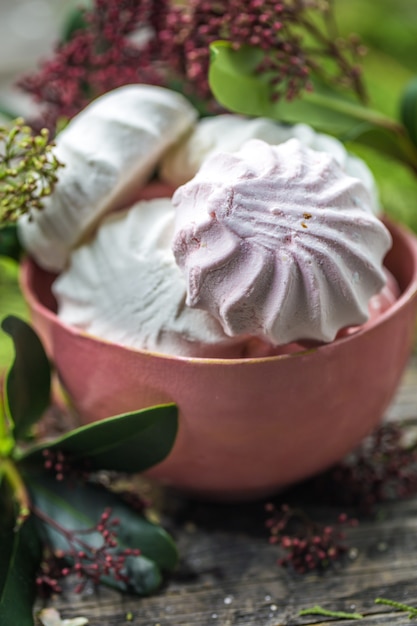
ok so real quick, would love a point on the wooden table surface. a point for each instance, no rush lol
(228, 574)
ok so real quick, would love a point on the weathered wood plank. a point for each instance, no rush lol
(229, 577)
(228, 574)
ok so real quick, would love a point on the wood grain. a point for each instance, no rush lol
(228, 574)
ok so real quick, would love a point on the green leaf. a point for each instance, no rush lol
(377, 138)
(234, 81)
(7, 442)
(18, 594)
(9, 242)
(394, 145)
(20, 554)
(7, 524)
(80, 507)
(131, 442)
(143, 574)
(75, 21)
(396, 184)
(11, 303)
(408, 109)
(29, 379)
(238, 86)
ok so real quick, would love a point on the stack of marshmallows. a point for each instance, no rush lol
(223, 237)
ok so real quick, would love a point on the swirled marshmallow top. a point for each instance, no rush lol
(228, 133)
(279, 242)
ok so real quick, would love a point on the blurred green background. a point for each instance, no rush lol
(389, 30)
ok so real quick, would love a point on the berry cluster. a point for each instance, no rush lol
(381, 469)
(64, 465)
(281, 29)
(263, 24)
(52, 568)
(84, 560)
(155, 42)
(102, 56)
(308, 546)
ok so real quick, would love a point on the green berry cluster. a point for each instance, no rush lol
(27, 171)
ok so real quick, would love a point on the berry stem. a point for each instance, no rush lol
(20, 493)
(398, 605)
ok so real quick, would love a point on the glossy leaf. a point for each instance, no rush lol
(20, 553)
(239, 87)
(79, 507)
(131, 442)
(408, 110)
(11, 303)
(234, 81)
(28, 381)
(9, 242)
(144, 576)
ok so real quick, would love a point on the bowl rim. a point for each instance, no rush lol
(406, 237)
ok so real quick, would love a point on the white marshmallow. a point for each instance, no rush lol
(228, 133)
(125, 287)
(109, 150)
(279, 243)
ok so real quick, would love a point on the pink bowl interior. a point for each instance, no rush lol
(250, 426)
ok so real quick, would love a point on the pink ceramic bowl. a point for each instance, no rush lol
(247, 427)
